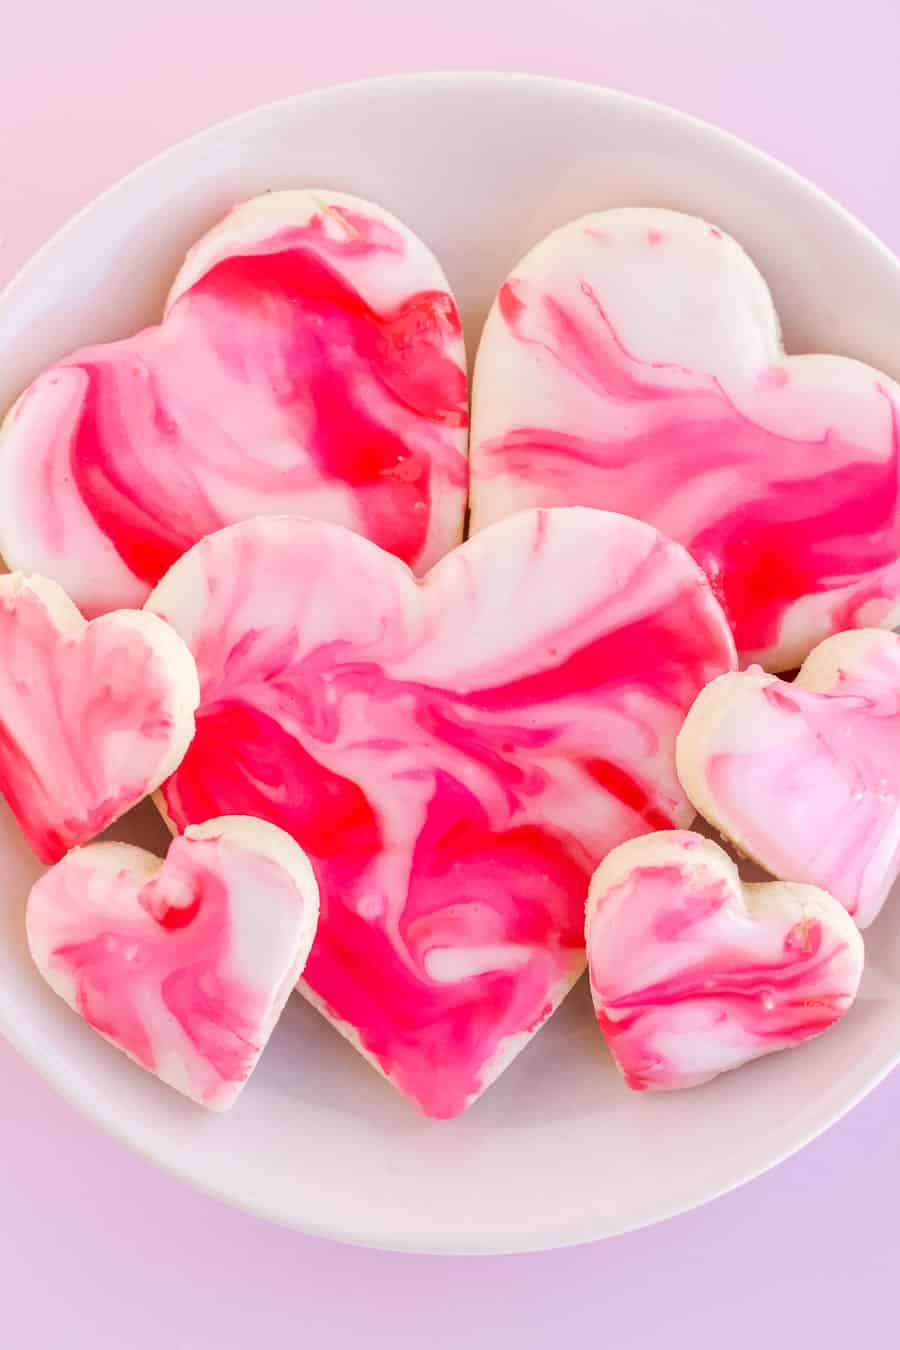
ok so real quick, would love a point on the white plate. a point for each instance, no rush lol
(558, 1151)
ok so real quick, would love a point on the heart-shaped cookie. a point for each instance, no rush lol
(184, 964)
(93, 716)
(693, 973)
(311, 360)
(805, 777)
(455, 756)
(633, 361)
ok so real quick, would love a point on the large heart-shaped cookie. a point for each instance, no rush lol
(184, 964)
(93, 716)
(311, 360)
(633, 361)
(454, 755)
(693, 973)
(805, 777)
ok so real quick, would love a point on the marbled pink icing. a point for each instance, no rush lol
(805, 777)
(455, 755)
(184, 965)
(311, 361)
(632, 361)
(691, 976)
(92, 716)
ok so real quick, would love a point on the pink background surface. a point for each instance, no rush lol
(97, 1249)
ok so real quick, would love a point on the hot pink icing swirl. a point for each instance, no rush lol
(184, 965)
(311, 360)
(92, 716)
(455, 755)
(633, 362)
(805, 777)
(691, 974)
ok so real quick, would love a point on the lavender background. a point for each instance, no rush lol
(97, 1249)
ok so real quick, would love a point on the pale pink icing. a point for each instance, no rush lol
(92, 716)
(455, 755)
(632, 361)
(690, 977)
(805, 777)
(311, 361)
(184, 965)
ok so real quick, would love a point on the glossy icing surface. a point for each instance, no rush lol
(805, 777)
(186, 964)
(633, 361)
(310, 361)
(693, 974)
(92, 716)
(455, 755)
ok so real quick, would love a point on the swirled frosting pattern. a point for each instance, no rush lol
(455, 755)
(93, 716)
(310, 361)
(805, 776)
(633, 361)
(693, 973)
(184, 964)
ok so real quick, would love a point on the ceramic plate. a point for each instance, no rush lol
(558, 1151)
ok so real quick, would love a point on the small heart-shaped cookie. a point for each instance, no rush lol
(633, 361)
(693, 973)
(805, 777)
(184, 964)
(455, 755)
(310, 360)
(93, 716)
